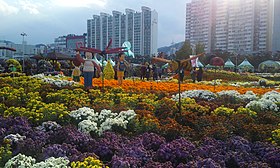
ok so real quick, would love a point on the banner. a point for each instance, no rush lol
(194, 61)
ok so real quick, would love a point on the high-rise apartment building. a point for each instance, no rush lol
(139, 28)
(235, 26)
(199, 22)
(276, 26)
(241, 26)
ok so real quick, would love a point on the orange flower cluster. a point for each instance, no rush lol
(171, 87)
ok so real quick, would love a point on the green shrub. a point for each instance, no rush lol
(15, 63)
(5, 153)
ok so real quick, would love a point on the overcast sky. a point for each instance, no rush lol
(44, 20)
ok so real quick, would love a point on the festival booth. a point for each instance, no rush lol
(55, 57)
(229, 65)
(208, 66)
(269, 66)
(246, 66)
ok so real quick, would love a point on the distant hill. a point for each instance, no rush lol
(171, 49)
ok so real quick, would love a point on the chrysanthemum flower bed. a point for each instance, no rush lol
(172, 87)
(50, 122)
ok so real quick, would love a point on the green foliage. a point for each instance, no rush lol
(184, 52)
(255, 60)
(44, 66)
(12, 74)
(2, 108)
(15, 63)
(5, 153)
(199, 48)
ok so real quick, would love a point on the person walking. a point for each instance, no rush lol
(181, 74)
(148, 71)
(199, 74)
(143, 71)
(155, 73)
(193, 74)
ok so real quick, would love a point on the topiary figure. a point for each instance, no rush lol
(109, 71)
(15, 63)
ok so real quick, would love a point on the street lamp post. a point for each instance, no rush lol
(193, 47)
(23, 34)
(235, 56)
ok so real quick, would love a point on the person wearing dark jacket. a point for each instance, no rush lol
(143, 71)
(199, 74)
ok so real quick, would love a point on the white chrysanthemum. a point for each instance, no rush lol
(20, 161)
(48, 125)
(84, 113)
(105, 120)
(15, 137)
(262, 105)
(272, 95)
(127, 115)
(249, 96)
(87, 126)
(57, 82)
(201, 94)
(104, 114)
(230, 93)
(53, 162)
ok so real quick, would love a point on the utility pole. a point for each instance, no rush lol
(23, 34)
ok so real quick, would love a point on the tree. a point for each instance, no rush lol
(199, 48)
(276, 56)
(259, 57)
(184, 52)
(44, 66)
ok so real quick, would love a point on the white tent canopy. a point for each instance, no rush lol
(246, 66)
(229, 64)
